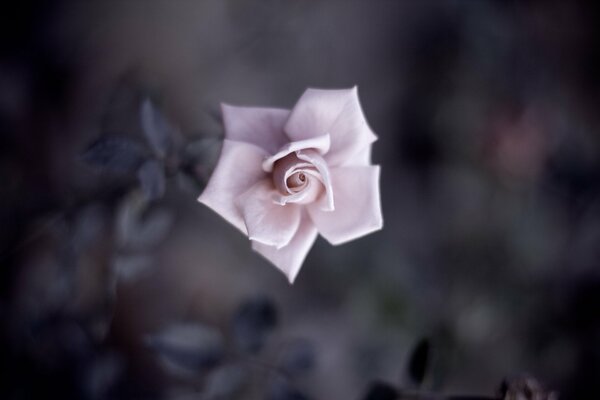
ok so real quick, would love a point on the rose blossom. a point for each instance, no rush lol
(283, 176)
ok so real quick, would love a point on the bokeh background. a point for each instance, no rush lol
(117, 284)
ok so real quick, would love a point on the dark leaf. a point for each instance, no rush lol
(298, 357)
(224, 382)
(49, 287)
(418, 362)
(202, 149)
(128, 268)
(200, 157)
(282, 389)
(156, 127)
(102, 376)
(152, 179)
(137, 230)
(116, 154)
(381, 391)
(252, 323)
(188, 183)
(186, 349)
(99, 323)
(86, 227)
(154, 228)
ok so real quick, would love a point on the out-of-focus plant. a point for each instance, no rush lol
(160, 154)
(193, 354)
(235, 362)
(518, 388)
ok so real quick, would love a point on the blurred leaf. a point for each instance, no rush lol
(86, 227)
(187, 348)
(47, 288)
(156, 127)
(299, 357)
(188, 183)
(154, 228)
(252, 322)
(418, 362)
(137, 230)
(203, 149)
(152, 179)
(98, 323)
(103, 375)
(200, 157)
(129, 267)
(282, 389)
(381, 391)
(224, 382)
(117, 154)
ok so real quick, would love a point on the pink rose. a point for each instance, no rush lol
(283, 176)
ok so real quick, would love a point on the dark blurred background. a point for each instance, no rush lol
(117, 284)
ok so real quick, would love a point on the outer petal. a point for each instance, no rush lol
(260, 126)
(267, 222)
(357, 205)
(289, 259)
(362, 158)
(350, 134)
(237, 170)
(337, 112)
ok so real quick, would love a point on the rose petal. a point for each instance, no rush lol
(319, 143)
(357, 205)
(337, 112)
(260, 126)
(315, 112)
(237, 170)
(362, 158)
(267, 222)
(289, 259)
(350, 135)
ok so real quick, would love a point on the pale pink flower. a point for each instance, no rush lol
(284, 176)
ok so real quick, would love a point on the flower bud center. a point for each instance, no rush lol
(296, 181)
(289, 174)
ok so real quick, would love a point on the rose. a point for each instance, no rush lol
(283, 176)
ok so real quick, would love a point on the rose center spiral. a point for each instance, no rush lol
(292, 175)
(301, 177)
(296, 181)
